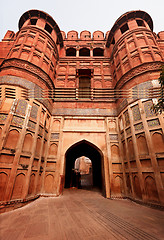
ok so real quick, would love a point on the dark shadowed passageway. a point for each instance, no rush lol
(90, 151)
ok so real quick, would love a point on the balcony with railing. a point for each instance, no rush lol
(92, 94)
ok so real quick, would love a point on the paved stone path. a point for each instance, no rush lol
(82, 215)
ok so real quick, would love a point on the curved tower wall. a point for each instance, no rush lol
(25, 123)
(136, 59)
(36, 49)
(131, 43)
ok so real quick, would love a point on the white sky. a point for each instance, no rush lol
(79, 15)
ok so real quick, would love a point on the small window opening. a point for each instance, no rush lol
(140, 23)
(98, 52)
(84, 87)
(48, 28)
(71, 52)
(113, 41)
(10, 93)
(33, 21)
(84, 52)
(124, 28)
(84, 83)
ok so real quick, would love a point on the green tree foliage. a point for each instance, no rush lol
(159, 107)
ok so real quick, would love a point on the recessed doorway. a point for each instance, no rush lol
(84, 167)
(84, 83)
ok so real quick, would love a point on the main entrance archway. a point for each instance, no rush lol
(87, 149)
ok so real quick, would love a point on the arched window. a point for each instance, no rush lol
(71, 52)
(98, 52)
(48, 28)
(113, 41)
(84, 52)
(140, 23)
(124, 28)
(33, 21)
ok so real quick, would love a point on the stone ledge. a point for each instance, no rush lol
(14, 204)
(148, 204)
(18, 203)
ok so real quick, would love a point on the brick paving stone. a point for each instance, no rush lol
(37, 229)
(79, 215)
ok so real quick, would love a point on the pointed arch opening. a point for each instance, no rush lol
(84, 52)
(71, 52)
(97, 52)
(91, 174)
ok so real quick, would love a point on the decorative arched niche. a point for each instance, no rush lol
(38, 146)
(151, 189)
(27, 145)
(32, 184)
(3, 184)
(117, 186)
(12, 139)
(131, 148)
(53, 149)
(56, 125)
(48, 185)
(158, 142)
(137, 188)
(115, 153)
(142, 144)
(18, 186)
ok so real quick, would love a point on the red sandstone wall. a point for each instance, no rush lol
(6, 44)
(132, 44)
(35, 49)
(28, 150)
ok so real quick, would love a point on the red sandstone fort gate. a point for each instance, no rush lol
(64, 95)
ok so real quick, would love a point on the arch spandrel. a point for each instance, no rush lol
(84, 141)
